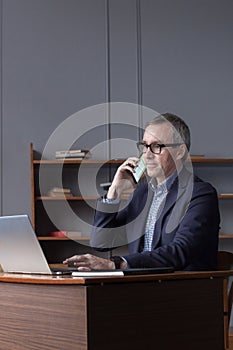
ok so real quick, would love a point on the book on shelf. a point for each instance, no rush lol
(226, 194)
(57, 234)
(72, 154)
(57, 191)
(105, 185)
(69, 234)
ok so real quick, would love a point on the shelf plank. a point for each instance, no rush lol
(78, 161)
(119, 161)
(50, 238)
(225, 195)
(69, 198)
(226, 235)
(86, 238)
(211, 160)
(80, 198)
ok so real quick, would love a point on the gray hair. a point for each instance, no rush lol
(182, 133)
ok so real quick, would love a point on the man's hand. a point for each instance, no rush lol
(89, 262)
(123, 179)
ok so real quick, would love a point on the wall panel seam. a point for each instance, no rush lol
(108, 81)
(139, 66)
(1, 106)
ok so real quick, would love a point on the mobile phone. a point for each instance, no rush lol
(139, 170)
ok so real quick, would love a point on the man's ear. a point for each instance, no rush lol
(182, 150)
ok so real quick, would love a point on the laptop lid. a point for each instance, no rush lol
(20, 250)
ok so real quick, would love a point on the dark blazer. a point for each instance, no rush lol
(186, 231)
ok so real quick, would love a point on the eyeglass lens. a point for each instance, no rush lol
(154, 148)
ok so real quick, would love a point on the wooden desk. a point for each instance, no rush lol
(173, 311)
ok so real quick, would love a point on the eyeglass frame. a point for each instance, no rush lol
(160, 145)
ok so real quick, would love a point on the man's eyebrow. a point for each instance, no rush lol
(155, 142)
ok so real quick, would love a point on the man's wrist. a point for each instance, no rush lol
(118, 261)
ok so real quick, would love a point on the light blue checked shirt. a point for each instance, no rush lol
(160, 193)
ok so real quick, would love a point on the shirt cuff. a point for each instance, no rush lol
(127, 266)
(110, 201)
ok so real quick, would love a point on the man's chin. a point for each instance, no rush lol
(152, 173)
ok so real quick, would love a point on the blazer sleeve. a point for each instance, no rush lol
(108, 230)
(112, 222)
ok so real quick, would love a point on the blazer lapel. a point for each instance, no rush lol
(177, 198)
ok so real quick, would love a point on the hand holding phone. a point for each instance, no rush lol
(139, 170)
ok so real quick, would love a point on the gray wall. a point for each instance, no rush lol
(187, 67)
(1, 169)
(60, 56)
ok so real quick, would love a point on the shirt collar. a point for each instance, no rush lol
(163, 186)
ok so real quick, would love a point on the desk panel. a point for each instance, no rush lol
(162, 315)
(42, 317)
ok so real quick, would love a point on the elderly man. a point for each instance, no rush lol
(173, 220)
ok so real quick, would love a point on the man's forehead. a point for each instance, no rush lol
(159, 131)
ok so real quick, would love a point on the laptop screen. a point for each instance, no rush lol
(20, 250)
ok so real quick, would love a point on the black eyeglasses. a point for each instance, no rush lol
(155, 147)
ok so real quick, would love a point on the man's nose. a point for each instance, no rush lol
(148, 153)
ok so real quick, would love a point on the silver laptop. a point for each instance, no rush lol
(20, 250)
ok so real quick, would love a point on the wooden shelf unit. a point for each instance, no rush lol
(38, 198)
